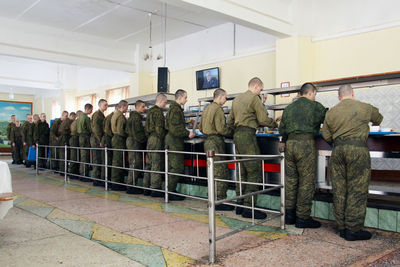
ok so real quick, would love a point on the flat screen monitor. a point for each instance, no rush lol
(207, 79)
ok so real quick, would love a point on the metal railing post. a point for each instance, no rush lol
(211, 204)
(105, 169)
(166, 174)
(37, 158)
(283, 191)
(65, 163)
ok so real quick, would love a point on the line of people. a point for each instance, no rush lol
(345, 126)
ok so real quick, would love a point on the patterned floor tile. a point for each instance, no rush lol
(103, 194)
(175, 259)
(40, 211)
(147, 255)
(63, 215)
(170, 208)
(105, 234)
(84, 229)
(203, 218)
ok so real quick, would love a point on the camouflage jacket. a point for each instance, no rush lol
(155, 122)
(54, 128)
(213, 121)
(97, 125)
(83, 124)
(303, 116)
(134, 127)
(107, 125)
(65, 127)
(26, 130)
(118, 123)
(175, 121)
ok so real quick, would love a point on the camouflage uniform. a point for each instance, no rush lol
(213, 124)
(41, 134)
(136, 141)
(83, 130)
(300, 123)
(16, 137)
(106, 142)
(346, 125)
(175, 141)
(74, 142)
(95, 140)
(118, 127)
(27, 139)
(64, 132)
(10, 126)
(247, 113)
(54, 142)
(155, 129)
(31, 132)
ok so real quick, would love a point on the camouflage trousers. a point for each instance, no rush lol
(26, 152)
(118, 175)
(216, 143)
(85, 154)
(63, 140)
(97, 157)
(135, 160)
(19, 149)
(13, 154)
(53, 154)
(43, 154)
(350, 167)
(106, 142)
(154, 162)
(74, 142)
(246, 143)
(176, 162)
(300, 170)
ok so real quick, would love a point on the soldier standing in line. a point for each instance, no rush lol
(27, 138)
(118, 141)
(247, 113)
(301, 122)
(16, 142)
(31, 133)
(95, 140)
(106, 142)
(41, 136)
(346, 125)
(213, 124)
(74, 142)
(54, 140)
(9, 127)
(155, 130)
(175, 140)
(64, 133)
(136, 141)
(83, 129)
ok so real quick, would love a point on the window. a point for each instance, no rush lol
(55, 110)
(113, 96)
(81, 101)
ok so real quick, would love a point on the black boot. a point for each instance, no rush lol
(117, 187)
(175, 197)
(342, 233)
(246, 213)
(157, 194)
(290, 216)
(147, 192)
(133, 190)
(98, 183)
(224, 207)
(354, 236)
(239, 210)
(307, 223)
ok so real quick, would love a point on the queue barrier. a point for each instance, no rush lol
(211, 181)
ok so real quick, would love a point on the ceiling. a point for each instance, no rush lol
(119, 20)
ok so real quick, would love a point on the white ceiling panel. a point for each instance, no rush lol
(11, 9)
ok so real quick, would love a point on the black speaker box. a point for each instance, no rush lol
(163, 81)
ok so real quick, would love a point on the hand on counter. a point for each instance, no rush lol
(192, 134)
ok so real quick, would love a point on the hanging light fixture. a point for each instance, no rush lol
(149, 54)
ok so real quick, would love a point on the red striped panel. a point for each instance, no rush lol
(268, 167)
(202, 163)
(188, 162)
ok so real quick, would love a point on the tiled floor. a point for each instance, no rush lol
(147, 231)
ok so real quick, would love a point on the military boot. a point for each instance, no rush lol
(224, 207)
(354, 236)
(247, 213)
(290, 216)
(307, 223)
(133, 190)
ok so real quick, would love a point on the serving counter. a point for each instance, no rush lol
(382, 145)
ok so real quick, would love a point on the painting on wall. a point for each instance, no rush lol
(8, 108)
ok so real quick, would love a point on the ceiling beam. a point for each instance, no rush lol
(270, 16)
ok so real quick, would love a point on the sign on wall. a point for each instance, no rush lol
(8, 108)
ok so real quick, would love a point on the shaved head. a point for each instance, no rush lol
(345, 90)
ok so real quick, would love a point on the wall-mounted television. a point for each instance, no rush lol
(207, 79)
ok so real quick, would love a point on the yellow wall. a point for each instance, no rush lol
(367, 53)
(234, 76)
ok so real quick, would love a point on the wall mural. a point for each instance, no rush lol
(8, 108)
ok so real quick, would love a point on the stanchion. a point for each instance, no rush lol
(37, 159)
(211, 204)
(166, 174)
(65, 163)
(105, 169)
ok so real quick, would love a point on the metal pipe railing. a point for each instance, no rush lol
(238, 159)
